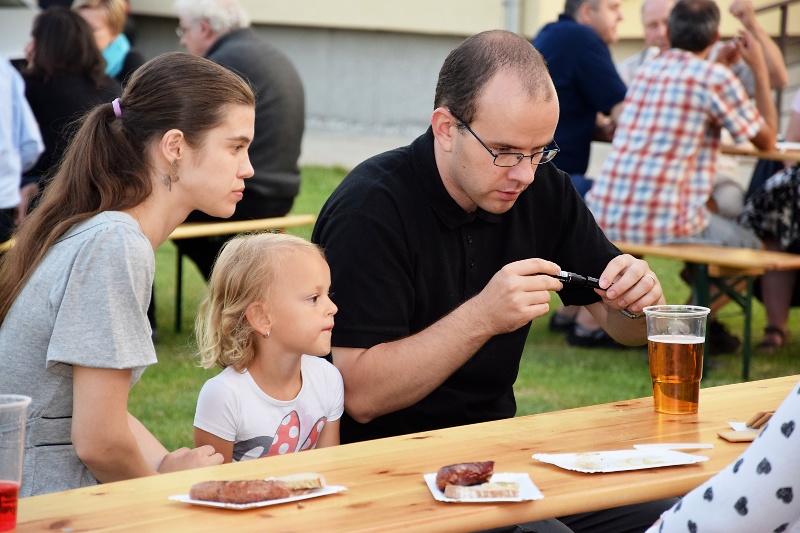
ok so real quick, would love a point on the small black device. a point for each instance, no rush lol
(577, 279)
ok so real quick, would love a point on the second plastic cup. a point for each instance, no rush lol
(13, 409)
(676, 337)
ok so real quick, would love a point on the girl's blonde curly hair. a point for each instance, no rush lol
(244, 272)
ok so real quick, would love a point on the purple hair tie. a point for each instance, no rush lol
(117, 108)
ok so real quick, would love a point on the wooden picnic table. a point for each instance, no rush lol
(384, 478)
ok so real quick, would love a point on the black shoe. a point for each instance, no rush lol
(719, 340)
(560, 324)
(590, 338)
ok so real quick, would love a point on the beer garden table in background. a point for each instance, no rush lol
(789, 152)
(724, 267)
(384, 478)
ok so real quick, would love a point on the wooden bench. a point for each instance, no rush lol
(725, 268)
(190, 230)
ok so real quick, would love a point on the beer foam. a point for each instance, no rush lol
(677, 339)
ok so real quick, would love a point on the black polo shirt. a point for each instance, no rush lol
(403, 254)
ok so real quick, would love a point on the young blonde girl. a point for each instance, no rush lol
(266, 320)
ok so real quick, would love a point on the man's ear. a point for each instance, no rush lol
(205, 29)
(582, 16)
(258, 317)
(442, 123)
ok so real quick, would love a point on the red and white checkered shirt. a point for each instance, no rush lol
(655, 183)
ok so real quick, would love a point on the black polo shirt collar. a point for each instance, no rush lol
(452, 214)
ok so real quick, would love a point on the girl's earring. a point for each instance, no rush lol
(266, 334)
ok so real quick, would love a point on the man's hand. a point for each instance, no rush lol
(185, 459)
(26, 194)
(750, 49)
(745, 12)
(604, 128)
(394, 375)
(516, 294)
(634, 286)
(728, 54)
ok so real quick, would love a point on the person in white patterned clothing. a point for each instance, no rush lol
(267, 306)
(760, 491)
(654, 186)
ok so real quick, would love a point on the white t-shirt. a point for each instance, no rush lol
(627, 68)
(232, 407)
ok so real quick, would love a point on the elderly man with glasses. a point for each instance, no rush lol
(220, 30)
(442, 252)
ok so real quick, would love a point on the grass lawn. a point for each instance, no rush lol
(552, 374)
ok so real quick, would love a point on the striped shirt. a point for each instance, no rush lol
(654, 185)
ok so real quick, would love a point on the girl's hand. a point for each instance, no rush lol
(185, 459)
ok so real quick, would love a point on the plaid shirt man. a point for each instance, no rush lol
(654, 186)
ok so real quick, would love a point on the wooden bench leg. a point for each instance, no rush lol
(748, 316)
(744, 300)
(702, 291)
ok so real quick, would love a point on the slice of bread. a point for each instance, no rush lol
(484, 490)
(304, 481)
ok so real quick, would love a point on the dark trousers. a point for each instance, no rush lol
(635, 518)
(6, 223)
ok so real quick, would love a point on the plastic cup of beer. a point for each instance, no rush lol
(13, 409)
(676, 336)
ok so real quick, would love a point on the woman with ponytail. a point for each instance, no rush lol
(75, 288)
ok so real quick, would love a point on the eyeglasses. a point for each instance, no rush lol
(512, 159)
(180, 32)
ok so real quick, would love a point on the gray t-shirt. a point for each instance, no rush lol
(85, 304)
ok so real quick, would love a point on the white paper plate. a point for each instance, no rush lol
(619, 460)
(316, 493)
(527, 490)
